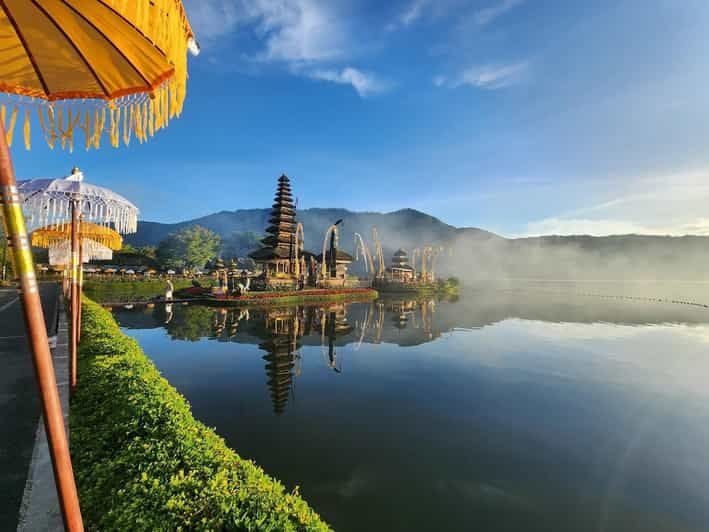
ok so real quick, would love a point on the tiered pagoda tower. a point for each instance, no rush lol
(282, 349)
(277, 257)
(400, 269)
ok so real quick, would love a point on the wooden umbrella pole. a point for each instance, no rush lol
(81, 279)
(16, 232)
(74, 341)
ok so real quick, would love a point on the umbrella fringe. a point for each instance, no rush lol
(139, 115)
(52, 235)
(60, 252)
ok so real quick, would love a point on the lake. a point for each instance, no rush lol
(526, 406)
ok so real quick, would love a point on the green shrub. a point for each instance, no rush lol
(117, 289)
(142, 462)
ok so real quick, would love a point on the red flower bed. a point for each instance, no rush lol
(301, 293)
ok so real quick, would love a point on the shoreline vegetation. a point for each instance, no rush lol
(119, 291)
(143, 462)
(321, 295)
(447, 287)
(131, 290)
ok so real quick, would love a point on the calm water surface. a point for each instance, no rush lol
(538, 408)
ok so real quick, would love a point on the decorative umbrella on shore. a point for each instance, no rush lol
(68, 202)
(96, 242)
(114, 66)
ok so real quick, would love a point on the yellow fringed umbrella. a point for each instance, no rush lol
(54, 234)
(95, 66)
(117, 67)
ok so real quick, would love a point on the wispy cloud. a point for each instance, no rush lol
(411, 13)
(364, 83)
(602, 227)
(308, 37)
(212, 19)
(663, 205)
(489, 77)
(299, 30)
(487, 15)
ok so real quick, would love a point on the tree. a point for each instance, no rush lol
(240, 243)
(147, 251)
(190, 247)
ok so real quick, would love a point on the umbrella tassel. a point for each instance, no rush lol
(26, 129)
(101, 125)
(9, 130)
(69, 132)
(151, 115)
(145, 120)
(59, 124)
(86, 126)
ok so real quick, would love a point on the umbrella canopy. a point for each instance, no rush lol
(52, 235)
(49, 201)
(60, 252)
(83, 66)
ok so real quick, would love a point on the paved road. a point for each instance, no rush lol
(19, 404)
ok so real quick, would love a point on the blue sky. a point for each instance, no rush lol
(518, 116)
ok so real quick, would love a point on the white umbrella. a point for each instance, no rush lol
(49, 201)
(69, 200)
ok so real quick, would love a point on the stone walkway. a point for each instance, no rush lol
(19, 402)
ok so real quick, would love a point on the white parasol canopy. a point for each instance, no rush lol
(60, 254)
(48, 201)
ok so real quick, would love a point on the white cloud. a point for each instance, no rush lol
(212, 19)
(308, 37)
(412, 12)
(602, 227)
(581, 226)
(365, 84)
(289, 30)
(489, 77)
(665, 205)
(298, 30)
(488, 14)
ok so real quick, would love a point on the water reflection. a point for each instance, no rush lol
(282, 332)
(505, 410)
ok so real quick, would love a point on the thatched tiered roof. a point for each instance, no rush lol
(281, 231)
(401, 261)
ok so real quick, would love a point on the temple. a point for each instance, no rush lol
(278, 258)
(335, 271)
(401, 271)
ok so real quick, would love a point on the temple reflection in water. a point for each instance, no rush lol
(282, 332)
(339, 330)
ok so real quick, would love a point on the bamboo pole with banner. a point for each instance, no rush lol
(97, 66)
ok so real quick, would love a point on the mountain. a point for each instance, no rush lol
(406, 228)
(470, 253)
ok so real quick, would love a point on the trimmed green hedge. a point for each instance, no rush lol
(116, 290)
(142, 462)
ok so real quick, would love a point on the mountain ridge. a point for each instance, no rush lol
(470, 252)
